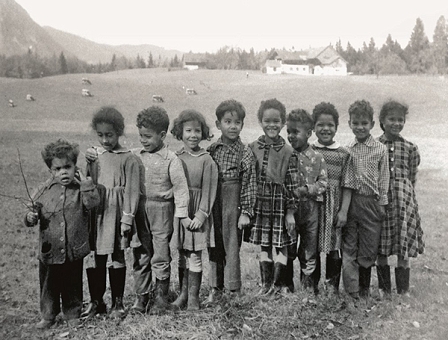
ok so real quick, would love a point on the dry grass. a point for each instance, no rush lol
(60, 111)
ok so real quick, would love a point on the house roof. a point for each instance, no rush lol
(273, 63)
(322, 55)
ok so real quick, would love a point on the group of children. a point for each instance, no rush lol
(356, 204)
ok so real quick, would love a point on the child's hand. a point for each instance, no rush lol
(186, 222)
(195, 224)
(290, 223)
(32, 217)
(79, 176)
(341, 219)
(125, 228)
(303, 191)
(91, 155)
(243, 221)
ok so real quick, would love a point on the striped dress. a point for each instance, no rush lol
(401, 233)
(277, 180)
(337, 160)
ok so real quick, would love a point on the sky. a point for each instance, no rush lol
(207, 25)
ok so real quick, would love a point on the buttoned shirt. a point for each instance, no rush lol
(371, 169)
(312, 174)
(165, 178)
(226, 157)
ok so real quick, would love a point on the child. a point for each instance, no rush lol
(117, 169)
(62, 205)
(312, 184)
(275, 206)
(401, 234)
(234, 207)
(194, 233)
(370, 183)
(333, 212)
(167, 195)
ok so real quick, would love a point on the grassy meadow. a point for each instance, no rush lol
(61, 112)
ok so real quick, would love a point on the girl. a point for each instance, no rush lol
(195, 233)
(275, 206)
(401, 234)
(333, 211)
(117, 170)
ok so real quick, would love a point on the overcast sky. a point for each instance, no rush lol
(206, 25)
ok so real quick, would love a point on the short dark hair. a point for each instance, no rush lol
(301, 116)
(188, 116)
(324, 108)
(109, 115)
(391, 106)
(60, 149)
(272, 104)
(230, 105)
(154, 117)
(361, 108)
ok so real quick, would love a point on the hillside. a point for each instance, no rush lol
(18, 32)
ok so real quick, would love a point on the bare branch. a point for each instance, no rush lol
(24, 179)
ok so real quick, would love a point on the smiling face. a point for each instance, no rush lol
(192, 135)
(393, 123)
(272, 123)
(325, 129)
(63, 170)
(107, 136)
(361, 126)
(230, 126)
(150, 139)
(298, 135)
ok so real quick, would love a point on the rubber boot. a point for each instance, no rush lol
(182, 299)
(194, 285)
(402, 276)
(316, 275)
(364, 281)
(288, 278)
(117, 278)
(266, 274)
(384, 283)
(333, 273)
(161, 304)
(276, 287)
(96, 278)
(141, 303)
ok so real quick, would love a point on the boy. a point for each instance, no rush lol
(61, 207)
(370, 183)
(167, 196)
(235, 198)
(312, 180)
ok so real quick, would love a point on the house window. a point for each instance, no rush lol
(275, 69)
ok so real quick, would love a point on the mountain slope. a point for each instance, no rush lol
(18, 32)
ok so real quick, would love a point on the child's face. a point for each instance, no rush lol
(230, 126)
(63, 170)
(298, 135)
(393, 123)
(361, 126)
(271, 123)
(192, 135)
(107, 136)
(150, 139)
(325, 129)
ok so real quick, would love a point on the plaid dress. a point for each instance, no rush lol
(337, 160)
(401, 233)
(275, 178)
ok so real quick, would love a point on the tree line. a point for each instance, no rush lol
(420, 56)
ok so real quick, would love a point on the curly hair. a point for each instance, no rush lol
(361, 108)
(154, 117)
(60, 149)
(109, 115)
(392, 106)
(325, 109)
(188, 116)
(301, 116)
(272, 104)
(230, 105)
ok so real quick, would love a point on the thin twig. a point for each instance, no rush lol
(24, 179)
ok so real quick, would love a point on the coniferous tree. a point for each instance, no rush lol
(63, 67)
(440, 45)
(417, 51)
